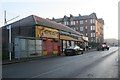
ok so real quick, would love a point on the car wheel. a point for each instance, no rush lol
(82, 52)
(102, 49)
(73, 53)
(66, 54)
(77, 52)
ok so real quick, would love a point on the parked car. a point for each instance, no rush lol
(73, 50)
(102, 47)
(88, 47)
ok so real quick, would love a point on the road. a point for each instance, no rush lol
(96, 64)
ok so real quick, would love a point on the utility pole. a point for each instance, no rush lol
(10, 44)
(9, 28)
(5, 22)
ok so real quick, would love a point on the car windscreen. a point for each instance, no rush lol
(71, 47)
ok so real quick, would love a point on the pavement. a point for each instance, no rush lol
(6, 62)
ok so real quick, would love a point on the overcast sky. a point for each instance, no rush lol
(106, 9)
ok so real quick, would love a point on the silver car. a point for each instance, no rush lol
(73, 50)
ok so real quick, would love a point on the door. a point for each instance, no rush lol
(49, 45)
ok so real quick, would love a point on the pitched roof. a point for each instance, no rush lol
(91, 16)
(33, 20)
(101, 21)
(55, 25)
(25, 22)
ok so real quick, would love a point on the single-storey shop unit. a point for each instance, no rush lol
(34, 36)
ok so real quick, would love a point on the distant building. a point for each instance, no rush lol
(89, 25)
(111, 42)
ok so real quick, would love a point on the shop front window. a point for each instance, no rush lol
(72, 43)
(68, 43)
(64, 44)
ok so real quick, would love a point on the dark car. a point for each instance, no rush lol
(102, 47)
(88, 47)
(73, 50)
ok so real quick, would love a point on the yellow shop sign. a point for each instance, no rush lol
(46, 32)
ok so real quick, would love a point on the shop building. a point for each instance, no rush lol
(34, 36)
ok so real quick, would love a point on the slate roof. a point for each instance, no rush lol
(101, 20)
(25, 22)
(55, 25)
(33, 20)
(91, 16)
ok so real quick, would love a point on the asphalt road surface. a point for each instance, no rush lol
(96, 64)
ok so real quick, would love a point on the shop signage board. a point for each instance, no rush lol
(46, 32)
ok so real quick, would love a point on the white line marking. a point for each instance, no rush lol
(46, 72)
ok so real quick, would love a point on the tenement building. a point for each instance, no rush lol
(89, 25)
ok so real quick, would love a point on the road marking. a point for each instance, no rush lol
(46, 72)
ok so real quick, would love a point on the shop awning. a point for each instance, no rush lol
(68, 38)
(85, 39)
(80, 39)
